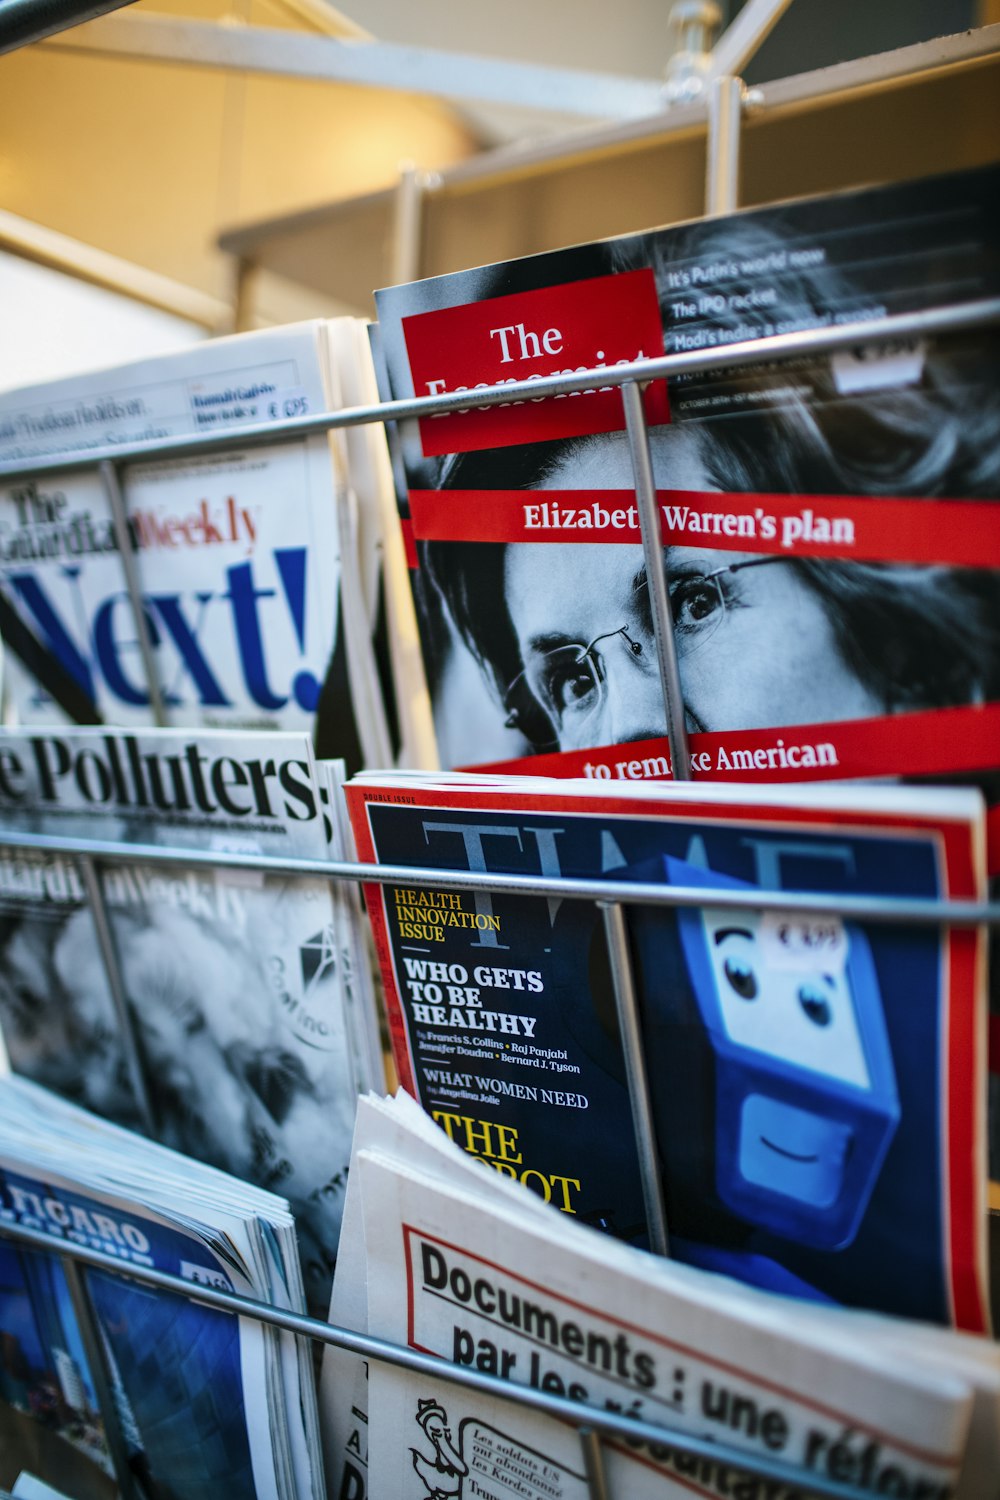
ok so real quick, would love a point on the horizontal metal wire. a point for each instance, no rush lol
(611, 1424)
(911, 911)
(984, 312)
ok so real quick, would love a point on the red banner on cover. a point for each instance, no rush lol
(932, 742)
(560, 330)
(963, 533)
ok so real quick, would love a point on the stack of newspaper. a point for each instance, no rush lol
(199, 1397)
(259, 568)
(460, 1264)
(240, 1026)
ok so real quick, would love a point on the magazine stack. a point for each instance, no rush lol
(246, 1026)
(258, 567)
(199, 1397)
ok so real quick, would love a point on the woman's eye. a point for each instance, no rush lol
(695, 601)
(815, 1004)
(741, 977)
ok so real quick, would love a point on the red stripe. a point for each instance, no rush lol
(964, 533)
(961, 1190)
(932, 742)
(409, 544)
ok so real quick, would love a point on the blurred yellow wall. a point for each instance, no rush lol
(150, 160)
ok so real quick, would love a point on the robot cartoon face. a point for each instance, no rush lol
(806, 1099)
(783, 1003)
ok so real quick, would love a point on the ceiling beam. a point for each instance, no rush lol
(414, 70)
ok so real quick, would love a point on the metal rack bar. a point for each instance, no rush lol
(907, 911)
(725, 120)
(593, 1463)
(659, 596)
(640, 1100)
(25, 21)
(93, 1348)
(116, 985)
(578, 1415)
(928, 322)
(116, 499)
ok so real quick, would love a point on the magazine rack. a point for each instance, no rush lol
(613, 898)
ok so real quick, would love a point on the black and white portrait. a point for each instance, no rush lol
(535, 647)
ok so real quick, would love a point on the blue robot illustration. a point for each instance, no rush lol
(773, 1085)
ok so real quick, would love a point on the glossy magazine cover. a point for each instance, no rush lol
(820, 636)
(818, 1086)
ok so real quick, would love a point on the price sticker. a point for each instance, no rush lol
(205, 1276)
(288, 403)
(872, 367)
(803, 944)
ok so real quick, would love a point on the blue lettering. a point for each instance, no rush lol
(243, 597)
(186, 640)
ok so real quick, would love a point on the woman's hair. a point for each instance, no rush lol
(914, 636)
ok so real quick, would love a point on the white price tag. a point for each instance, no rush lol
(872, 367)
(292, 402)
(803, 944)
(205, 1276)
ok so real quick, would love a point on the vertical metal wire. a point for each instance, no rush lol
(116, 985)
(113, 491)
(407, 229)
(93, 1348)
(722, 167)
(593, 1463)
(627, 1008)
(659, 598)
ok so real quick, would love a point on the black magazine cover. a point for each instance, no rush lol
(795, 601)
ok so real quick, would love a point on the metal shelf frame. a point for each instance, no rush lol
(594, 1425)
(612, 898)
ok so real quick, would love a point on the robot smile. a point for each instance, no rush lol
(782, 1151)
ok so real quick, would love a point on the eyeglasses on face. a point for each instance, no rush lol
(559, 697)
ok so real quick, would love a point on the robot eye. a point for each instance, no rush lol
(815, 1004)
(742, 977)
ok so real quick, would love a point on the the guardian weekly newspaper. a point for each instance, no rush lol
(243, 556)
(240, 987)
(818, 1086)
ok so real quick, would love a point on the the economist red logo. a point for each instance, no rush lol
(605, 320)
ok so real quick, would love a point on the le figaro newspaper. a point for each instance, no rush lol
(199, 1398)
(817, 1084)
(830, 526)
(245, 558)
(242, 995)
